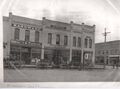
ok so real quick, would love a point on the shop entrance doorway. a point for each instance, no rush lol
(57, 56)
(25, 55)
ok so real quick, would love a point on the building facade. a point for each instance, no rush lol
(26, 38)
(103, 50)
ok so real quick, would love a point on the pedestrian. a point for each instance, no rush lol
(117, 63)
(114, 63)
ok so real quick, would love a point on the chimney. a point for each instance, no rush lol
(43, 18)
(10, 13)
(83, 23)
(71, 22)
(94, 25)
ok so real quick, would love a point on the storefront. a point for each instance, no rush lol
(76, 56)
(87, 58)
(99, 59)
(56, 55)
(25, 52)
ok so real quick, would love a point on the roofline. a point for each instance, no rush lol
(108, 41)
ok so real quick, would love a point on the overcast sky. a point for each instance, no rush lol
(102, 13)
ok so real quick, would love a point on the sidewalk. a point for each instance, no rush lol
(94, 67)
(29, 66)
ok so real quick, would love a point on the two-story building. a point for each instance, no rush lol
(26, 38)
(103, 51)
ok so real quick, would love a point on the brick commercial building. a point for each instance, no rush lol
(26, 38)
(102, 50)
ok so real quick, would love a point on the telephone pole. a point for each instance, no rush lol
(105, 35)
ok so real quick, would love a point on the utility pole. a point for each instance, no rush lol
(105, 35)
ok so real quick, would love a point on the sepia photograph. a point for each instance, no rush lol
(61, 40)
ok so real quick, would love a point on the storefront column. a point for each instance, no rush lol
(71, 35)
(93, 57)
(82, 55)
(9, 35)
(70, 55)
(82, 46)
(30, 54)
(20, 54)
(42, 52)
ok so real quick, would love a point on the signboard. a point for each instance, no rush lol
(86, 55)
(26, 43)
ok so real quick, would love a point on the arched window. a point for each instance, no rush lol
(79, 42)
(65, 40)
(27, 35)
(49, 38)
(74, 41)
(37, 36)
(86, 42)
(90, 43)
(58, 39)
(16, 33)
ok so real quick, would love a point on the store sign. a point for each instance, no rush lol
(26, 43)
(86, 55)
(57, 27)
(25, 26)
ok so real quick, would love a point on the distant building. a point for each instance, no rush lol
(102, 50)
(26, 38)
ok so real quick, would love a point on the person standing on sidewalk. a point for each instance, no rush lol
(114, 63)
(117, 63)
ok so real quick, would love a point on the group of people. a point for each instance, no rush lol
(115, 63)
(35, 60)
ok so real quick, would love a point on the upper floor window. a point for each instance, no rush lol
(74, 41)
(65, 40)
(16, 33)
(49, 38)
(58, 39)
(86, 42)
(90, 43)
(27, 35)
(37, 33)
(79, 42)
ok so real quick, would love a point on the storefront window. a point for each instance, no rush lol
(36, 36)
(76, 56)
(16, 34)
(27, 35)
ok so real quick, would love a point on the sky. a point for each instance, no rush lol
(102, 13)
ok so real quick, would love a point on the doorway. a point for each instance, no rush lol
(26, 55)
(57, 57)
